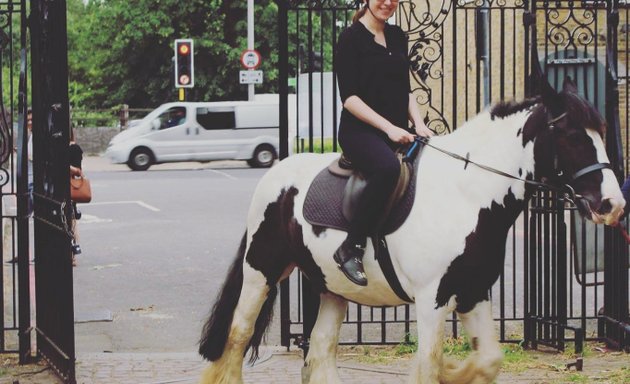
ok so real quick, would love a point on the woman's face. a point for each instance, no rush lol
(383, 9)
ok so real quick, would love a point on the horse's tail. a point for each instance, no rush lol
(217, 328)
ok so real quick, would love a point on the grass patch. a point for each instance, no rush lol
(302, 144)
(539, 365)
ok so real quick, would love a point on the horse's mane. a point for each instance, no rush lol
(575, 105)
(581, 110)
(506, 108)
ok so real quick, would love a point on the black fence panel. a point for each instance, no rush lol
(15, 275)
(53, 211)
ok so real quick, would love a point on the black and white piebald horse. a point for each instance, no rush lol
(446, 255)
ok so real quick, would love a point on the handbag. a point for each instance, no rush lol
(80, 189)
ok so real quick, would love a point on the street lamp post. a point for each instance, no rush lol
(250, 41)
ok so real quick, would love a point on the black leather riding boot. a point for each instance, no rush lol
(349, 259)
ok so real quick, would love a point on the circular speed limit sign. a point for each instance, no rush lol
(250, 59)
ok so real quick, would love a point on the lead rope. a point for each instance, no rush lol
(623, 232)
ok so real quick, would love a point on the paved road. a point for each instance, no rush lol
(156, 246)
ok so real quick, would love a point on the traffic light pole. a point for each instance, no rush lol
(182, 94)
(250, 41)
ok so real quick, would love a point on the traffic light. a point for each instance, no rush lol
(184, 64)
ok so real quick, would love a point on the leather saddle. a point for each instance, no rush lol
(333, 196)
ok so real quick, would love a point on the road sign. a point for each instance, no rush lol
(250, 59)
(251, 77)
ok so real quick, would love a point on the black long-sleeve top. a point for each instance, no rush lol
(376, 74)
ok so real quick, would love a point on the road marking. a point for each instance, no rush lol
(139, 202)
(223, 174)
(91, 219)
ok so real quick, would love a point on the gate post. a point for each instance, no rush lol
(283, 76)
(23, 250)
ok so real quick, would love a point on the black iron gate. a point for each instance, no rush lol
(15, 273)
(49, 267)
(467, 54)
(53, 210)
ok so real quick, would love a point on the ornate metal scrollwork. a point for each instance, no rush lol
(572, 24)
(423, 21)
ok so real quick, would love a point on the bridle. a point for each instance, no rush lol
(565, 188)
(551, 125)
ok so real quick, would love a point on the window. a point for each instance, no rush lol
(173, 117)
(216, 118)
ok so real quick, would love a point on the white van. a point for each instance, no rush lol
(201, 131)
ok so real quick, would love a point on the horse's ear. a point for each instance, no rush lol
(569, 85)
(550, 98)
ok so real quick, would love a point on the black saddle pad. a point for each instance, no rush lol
(322, 206)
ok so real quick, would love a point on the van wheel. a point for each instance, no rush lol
(140, 159)
(264, 156)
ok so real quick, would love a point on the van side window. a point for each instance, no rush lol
(212, 120)
(173, 117)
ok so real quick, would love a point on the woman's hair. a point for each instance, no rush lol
(360, 12)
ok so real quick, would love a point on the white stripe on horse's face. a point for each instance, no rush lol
(609, 188)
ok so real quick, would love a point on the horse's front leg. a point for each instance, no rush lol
(430, 336)
(321, 361)
(484, 362)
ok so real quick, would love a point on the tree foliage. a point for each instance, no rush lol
(120, 52)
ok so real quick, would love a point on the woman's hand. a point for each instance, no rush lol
(75, 172)
(399, 135)
(423, 130)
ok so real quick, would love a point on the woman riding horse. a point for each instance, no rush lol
(373, 72)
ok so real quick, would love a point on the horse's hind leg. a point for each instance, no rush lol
(483, 364)
(228, 368)
(321, 361)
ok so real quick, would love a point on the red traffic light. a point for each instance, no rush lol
(184, 49)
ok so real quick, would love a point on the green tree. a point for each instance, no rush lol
(121, 51)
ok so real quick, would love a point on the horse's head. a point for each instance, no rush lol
(569, 151)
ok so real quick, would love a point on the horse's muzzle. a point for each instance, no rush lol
(609, 211)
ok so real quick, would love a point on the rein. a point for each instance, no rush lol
(570, 195)
(467, 161)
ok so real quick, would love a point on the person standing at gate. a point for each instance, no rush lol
(29, 154)
(373, 73)
(75, 155)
